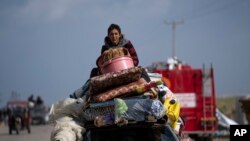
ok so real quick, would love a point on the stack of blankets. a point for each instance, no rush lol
(123, 97)
(115, 98)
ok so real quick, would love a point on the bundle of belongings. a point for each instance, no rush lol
(116, 99)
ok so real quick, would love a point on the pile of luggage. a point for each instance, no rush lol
(126, 97)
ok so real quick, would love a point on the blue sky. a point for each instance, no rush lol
(48, 48)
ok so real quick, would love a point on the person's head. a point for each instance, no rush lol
(114, 34)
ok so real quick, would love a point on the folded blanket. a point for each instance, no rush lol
(106, 81)
(90, 114)
(120, 91)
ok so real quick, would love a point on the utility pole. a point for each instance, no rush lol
(174, 24)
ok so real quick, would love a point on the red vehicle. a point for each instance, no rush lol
(194, 88)
(18, 116)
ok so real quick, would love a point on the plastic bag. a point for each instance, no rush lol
(173, 111)
(135, 109)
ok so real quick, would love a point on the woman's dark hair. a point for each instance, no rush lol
(111, 27)
(114, 26)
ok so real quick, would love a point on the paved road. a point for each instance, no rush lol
(38, 133)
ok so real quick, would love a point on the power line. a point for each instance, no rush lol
(174, 24)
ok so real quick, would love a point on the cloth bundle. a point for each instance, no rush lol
(124, 90)
(138, 109)
(107, 81)
(115, 84)
(65, 115)
(90, 114)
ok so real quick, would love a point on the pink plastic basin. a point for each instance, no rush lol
(117, 64)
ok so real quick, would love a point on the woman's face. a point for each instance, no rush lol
(114, 36)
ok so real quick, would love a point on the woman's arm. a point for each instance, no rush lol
(132, 53)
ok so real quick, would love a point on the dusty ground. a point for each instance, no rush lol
(38, 133)
(41, 133)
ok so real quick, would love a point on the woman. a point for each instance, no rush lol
(115, 38)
